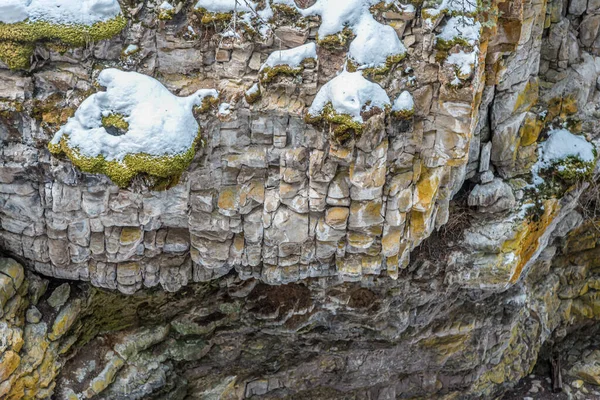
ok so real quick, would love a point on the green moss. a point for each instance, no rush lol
(403, 114)
(16, 55)
(342, 126)
(444, 46)
(17, 40)
(122, 172)
(253, 97)
(166, 15)
(76, 35)
(285, 12)
(208, 103)
(336, 41)
(267, 74)
(573, 169)
(220, 18)
(380, 72)
(115, 121)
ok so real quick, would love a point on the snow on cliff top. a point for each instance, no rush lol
(561, 144)
(349, 93)
(83, 12)
(223, 6)
(374, 42)
(160, 123)
(292, 57)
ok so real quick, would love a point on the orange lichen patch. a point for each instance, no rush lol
(427, 188)
(530, 131)
(528, 97)
(526, 242)
(561, 107)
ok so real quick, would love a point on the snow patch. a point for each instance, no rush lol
(350, 93)
(292, 57)
(374, 42)
(404, 102)
(461, 27)
(160, 123)
(561, 144)
(66, 12)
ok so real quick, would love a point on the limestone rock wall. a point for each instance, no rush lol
(412, 260)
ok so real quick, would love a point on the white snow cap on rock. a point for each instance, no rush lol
(160, 123)
(222, 6)
(349, 93)
(461, 27)
(404, 102)
(66, 12)
(374, 42)
(561, 144)
(292, 57)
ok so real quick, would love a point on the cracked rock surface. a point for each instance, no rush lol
(378, 255)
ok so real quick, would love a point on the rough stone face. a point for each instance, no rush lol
(411, 260)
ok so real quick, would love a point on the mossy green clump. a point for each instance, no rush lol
(221, 19)
(342, 126)
(573, 169)
(444, 46)
(166, 15)
(16, 55)
(285, 12)
(253, 97)
(208, 103)
(337, 41)
(17, 40)
(164, 170)
(268, 74)
(377, 73)
(116, 121)
(403, 114)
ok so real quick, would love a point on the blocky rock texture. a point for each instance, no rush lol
(400, 263)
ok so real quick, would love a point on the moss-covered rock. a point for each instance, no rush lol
(17, 40)
(122, 172)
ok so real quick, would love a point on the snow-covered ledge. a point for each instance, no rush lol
(287, 62)
(135, 127)
(71, 22)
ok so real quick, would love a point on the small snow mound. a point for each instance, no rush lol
(222, 6)
(166, 6)
(374, 43)
(292, 57)
(404, 102)
(350, 93)
(159, 123)
(464, 64)
(562, 144)
(82, 12)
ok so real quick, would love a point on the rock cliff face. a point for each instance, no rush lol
(373, 209)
